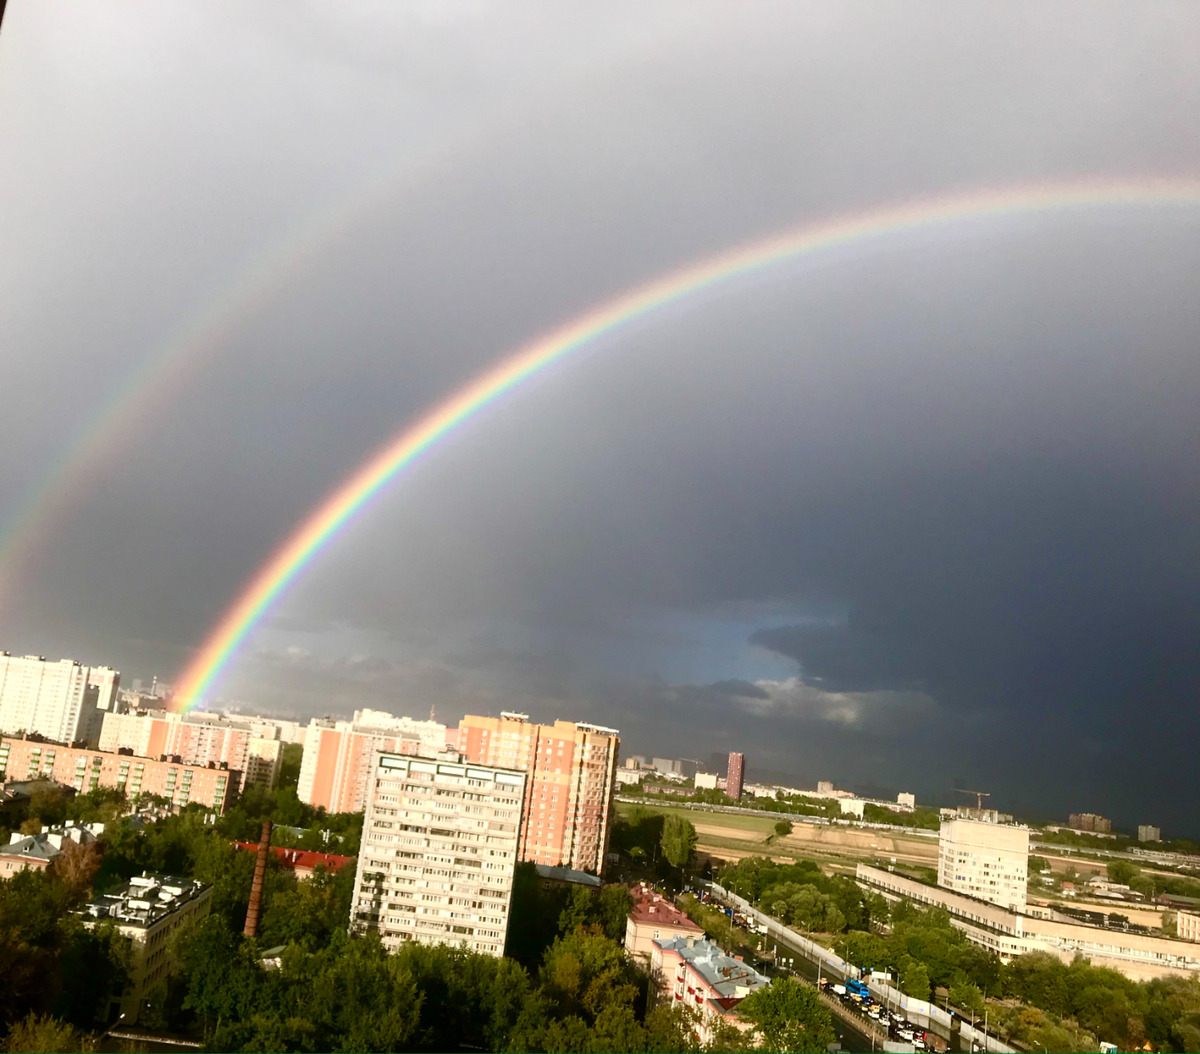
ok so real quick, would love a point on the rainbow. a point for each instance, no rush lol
(300, 548)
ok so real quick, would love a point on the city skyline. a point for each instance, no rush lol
(912, 511)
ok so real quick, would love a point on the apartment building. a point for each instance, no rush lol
(653, 917)
(1090, 821)
(36, 852)
(64, 700)
(572, 775)
(210, 785)
(699, 975)
(253, 749)
(339, 756)
(148, 911)
(736, 777)
(985, 860)
(438, 853)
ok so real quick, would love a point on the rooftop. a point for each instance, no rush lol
(567, 874)
(730, 978)
(301, 859)
(145, 899)
(652, 907)
(48, 844)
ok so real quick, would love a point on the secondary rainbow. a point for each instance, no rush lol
(303, 544)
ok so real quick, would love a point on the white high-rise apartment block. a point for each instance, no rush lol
(62, 701)
(985, 860)
(439, 849)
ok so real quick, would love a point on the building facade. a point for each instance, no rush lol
(1147, 833)
(572, 775)
(36, 852)
(653, 917)
(339, 756)
(736, 776)
(64, 701)
(148, 911)
(198, 739)
(985, 860)
(438, 853)
(1187, 925)
(699, 975)
(84, 770)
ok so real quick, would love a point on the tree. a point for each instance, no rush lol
(966, 996)
(1038, 864)
(1122, 871)
(790, 1016)
(45, 1033)
(783, 827)
(914, 978)
(678, 841)
(76, 865)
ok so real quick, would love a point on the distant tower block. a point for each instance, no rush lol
(737, 771)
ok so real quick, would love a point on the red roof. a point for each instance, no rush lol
(301, 859)
(652, 907)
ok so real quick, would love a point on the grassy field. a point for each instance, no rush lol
(732, 836)
(728, 820)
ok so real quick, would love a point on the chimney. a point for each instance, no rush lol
(260, 867)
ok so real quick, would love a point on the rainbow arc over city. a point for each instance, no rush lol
(353, 494)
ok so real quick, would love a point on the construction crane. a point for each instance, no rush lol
(979, 796)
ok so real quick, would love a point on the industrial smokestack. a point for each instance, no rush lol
(260, 869)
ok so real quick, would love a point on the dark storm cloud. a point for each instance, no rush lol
(940, 489)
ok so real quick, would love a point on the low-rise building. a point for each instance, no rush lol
(697, 974)
(628, 777)
(1138, 955)
(566, 876)
(149, 910)
(36, 852)
(247, 745)
(301, 862)
(653, 917)
(212, 785)
(852, 807)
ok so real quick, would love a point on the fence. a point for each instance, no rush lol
(918, 1011)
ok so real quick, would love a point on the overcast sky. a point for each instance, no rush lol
(920, 511)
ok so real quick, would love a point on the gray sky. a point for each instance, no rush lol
(912, 512)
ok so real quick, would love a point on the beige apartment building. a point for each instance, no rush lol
(572, 775)
(439, 849)
(211, 785)
(198, 739)
(985, 860)
(339, 756)
(64, 701)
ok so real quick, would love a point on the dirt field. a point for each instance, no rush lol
(731, 836)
